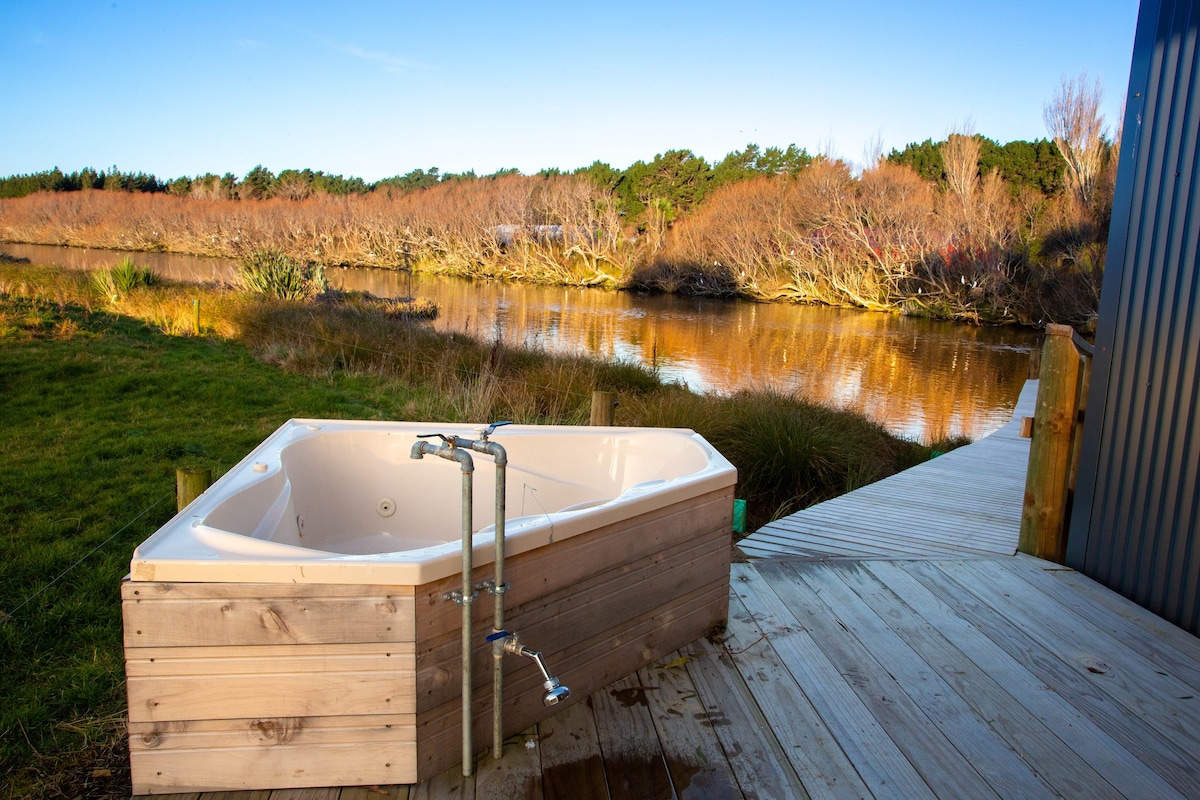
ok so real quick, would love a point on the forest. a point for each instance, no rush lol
(963, 228)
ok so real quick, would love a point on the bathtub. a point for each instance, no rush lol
(291, 628)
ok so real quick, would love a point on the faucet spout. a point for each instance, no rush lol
(555, 691)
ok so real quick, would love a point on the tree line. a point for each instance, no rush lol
(962, 228)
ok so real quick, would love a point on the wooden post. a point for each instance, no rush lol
(603, 404)
(190, 483)
(196, 316)
(1044, 512)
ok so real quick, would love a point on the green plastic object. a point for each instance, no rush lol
(739, 516)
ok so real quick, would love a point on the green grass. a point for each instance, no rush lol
(101, 405)
(95, 424)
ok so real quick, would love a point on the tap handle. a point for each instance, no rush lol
(498, 635)
(441, 436)
(490, 429)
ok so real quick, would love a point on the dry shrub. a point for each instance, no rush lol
(553, 230)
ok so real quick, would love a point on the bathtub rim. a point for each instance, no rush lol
(181, 550)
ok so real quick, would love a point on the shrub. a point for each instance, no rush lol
(116, 282)
(269, 271)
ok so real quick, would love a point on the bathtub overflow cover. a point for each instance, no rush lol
(386, 507)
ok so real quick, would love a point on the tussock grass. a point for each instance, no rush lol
(104, 401)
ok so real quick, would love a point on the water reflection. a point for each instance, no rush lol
(921, 379)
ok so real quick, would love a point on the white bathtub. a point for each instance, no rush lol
(342, 502)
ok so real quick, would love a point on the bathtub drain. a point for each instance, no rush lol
(386, 507)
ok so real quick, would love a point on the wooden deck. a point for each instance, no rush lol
(966, 503)
(946, 670)
(1001, 677)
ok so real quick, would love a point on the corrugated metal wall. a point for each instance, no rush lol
(1137, 508)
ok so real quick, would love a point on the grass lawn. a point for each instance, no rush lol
(98, 412)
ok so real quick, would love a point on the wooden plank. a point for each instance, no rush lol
(395, 792)
(572, 767)
(921, 713)
(516, 776)
(164, 615)
(1123, 607)
(898, 541)
(447, 785)
(1028, 694)
(633, 763)
(239, 696)
(1098, 656)
(880, 764)
(1177, 652)
(326, 793)
(262, 767)
(1010, 747)
(157, 590)
(805, 758)
(762, 769)
(694, 757)
(372, 731)
(152, 662)
(1137, 733)
(568, 563)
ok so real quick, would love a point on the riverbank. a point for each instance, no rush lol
(922, 379)
(105, 398)
(886, 241)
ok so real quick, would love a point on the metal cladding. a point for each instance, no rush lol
(1137, 509)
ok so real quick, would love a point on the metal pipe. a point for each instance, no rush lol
(498, 587)
(466, 596)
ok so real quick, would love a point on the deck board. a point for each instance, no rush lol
(964, 503)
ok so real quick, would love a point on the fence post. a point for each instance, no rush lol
(603, 404)
(1043, 514)
(190, 483)
(196, 317)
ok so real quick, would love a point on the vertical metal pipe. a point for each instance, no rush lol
(498, 617)
(468, 591)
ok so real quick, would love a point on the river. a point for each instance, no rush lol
(920, 378)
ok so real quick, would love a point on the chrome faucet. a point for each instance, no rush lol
(555, 691)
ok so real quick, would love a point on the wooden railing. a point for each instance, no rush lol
(1056, 428)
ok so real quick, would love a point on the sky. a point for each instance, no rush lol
(376, 89)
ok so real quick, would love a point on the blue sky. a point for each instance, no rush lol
(375, 89)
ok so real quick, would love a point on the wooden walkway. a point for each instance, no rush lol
(962, 504)
(950, 669)
(972, 678)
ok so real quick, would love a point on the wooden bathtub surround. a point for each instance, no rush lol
(256, 686)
